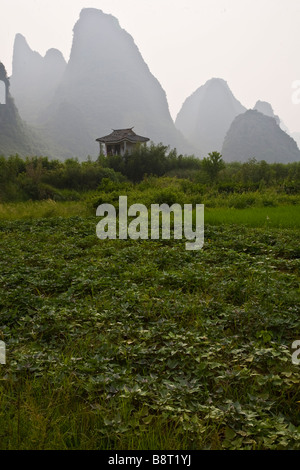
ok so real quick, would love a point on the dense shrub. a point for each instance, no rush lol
(150, 167)
(39, 178)
(152, 160)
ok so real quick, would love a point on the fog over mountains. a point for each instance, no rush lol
(255, 135)
(296, 137)
(207, 114)
(214, 120)
(34, 78)
(107, 85)
(266, 109)
(16, 137)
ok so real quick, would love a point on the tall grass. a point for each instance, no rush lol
(283, 216)
(42, 209)
(278, 217)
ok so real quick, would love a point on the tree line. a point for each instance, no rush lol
(42, 178)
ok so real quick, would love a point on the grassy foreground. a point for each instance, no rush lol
(142, 344)
(284, 216)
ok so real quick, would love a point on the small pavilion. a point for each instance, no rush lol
(120, 141)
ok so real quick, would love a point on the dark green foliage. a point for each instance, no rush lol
(143, 345)
(41, 178)
(213, 164)
(152, 160)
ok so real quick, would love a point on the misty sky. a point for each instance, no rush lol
(252, 44)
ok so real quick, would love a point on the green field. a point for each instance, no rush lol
(143, 345)
(285, 216)
(275, 217)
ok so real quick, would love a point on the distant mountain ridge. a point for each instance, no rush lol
(296, 137)
(255, 135)
(105, 85)
(207, 114)
(16, 137)
(34, 78)
(266, 108)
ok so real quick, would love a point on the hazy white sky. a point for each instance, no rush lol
(253, 44)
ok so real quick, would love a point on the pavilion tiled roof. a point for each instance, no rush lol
(120, 135)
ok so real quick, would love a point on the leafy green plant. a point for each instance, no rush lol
(123, 344)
